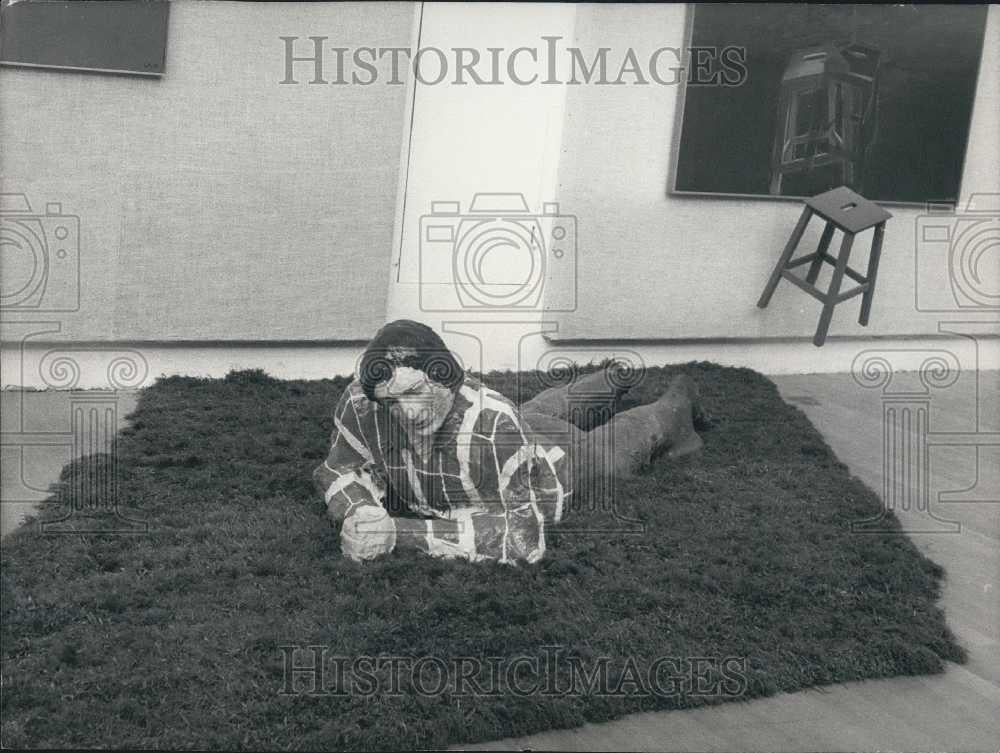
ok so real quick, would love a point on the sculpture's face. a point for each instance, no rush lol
(419, 404)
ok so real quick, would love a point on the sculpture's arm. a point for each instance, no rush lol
(509, 523)
(345, 478)
(506, 536)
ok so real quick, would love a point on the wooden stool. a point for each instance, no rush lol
(851, 214)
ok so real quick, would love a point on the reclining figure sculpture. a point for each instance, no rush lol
(424, 456)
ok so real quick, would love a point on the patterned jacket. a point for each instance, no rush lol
(488, 471)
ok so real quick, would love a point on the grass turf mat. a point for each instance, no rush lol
(174, 639)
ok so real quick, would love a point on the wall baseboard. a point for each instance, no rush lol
(36, 365)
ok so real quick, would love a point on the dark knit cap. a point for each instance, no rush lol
(408, 343)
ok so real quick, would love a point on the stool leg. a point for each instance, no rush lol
(793, 241)
(824, 244)
(831, 296)
(866, 298)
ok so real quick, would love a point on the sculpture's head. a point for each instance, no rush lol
(408, 368)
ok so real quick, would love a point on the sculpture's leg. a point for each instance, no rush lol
(589, 400)
(634, 437)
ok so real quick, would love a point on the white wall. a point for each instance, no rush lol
(559, 143)
(663, 266)
(686, 271)
(474, 139)
(215, 203)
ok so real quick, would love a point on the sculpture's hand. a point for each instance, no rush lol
(368, 532)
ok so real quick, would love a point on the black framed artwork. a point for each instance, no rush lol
(875, 97)
(99, 36)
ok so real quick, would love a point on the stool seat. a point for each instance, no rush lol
(851, 213)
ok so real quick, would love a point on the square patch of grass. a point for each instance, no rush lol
(728, 575)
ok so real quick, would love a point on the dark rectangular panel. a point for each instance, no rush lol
(875, 97)
(111, 36)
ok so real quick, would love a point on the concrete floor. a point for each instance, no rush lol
(955, 711)
(37, 439)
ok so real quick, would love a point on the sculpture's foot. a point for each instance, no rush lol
(690, 445)
(703, 420)
(599, 385)
(593, 399)
(680, 403)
